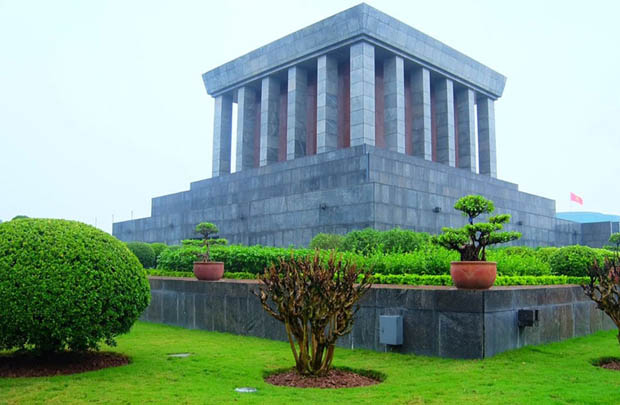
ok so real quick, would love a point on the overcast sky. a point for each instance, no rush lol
(102, 105)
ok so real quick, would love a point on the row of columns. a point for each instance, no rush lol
(454, 112)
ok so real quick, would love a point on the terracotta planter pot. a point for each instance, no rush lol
(473, 275)
(208, 271)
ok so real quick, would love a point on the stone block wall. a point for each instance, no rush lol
(437, 321)
(287, 203)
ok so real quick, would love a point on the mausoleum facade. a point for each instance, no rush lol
(358, 120)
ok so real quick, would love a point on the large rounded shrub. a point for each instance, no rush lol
(144, 252)
(64, 284)
(572, 261)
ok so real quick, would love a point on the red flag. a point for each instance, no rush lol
(576, 198)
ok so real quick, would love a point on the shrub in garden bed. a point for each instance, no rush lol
(64, 284)
(573, 260)
(144, 252)
(368, 241)
(315, 300)
(326, 241)
(157, 249)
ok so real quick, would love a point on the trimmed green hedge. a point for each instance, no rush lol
(65, 284)
(144, 252)
(427, 260)
(573, 260)
(412, 279)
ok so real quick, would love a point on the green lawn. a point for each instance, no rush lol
(556, 373)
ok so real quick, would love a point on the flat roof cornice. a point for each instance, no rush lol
(359, 22)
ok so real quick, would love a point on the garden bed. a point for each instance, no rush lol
(437, 320)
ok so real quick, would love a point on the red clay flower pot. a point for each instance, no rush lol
(208, 271)
(473, 275)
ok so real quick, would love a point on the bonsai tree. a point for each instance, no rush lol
(207, 229)
(315, 300)
(472, 240)
(604, 289)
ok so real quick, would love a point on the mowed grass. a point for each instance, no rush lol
(556, 373)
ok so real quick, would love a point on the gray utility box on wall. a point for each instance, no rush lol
(391, 330)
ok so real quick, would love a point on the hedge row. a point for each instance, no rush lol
(412, 279)
(368, 241)
(426, 260)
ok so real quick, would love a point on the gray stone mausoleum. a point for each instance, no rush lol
(356, 121)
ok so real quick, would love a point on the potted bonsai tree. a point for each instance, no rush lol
(471, 241)
(206, 269)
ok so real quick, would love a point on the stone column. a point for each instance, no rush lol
(362, 94)
(465, 111)
(296, 113)
(246, 123)
(444, 114)
(222, 135)
(394, 103)
(486, 136)
(269, 120)
(326, 104)
(421, 111)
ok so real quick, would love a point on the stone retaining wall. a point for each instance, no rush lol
(437, 321)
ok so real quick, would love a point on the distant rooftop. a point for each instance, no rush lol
(587, 217)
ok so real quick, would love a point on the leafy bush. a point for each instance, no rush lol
(518, 262)
(573, 261)
(177, 258)
(326, 241)
(157, 249)
(64, 284)
(19, 217)
(315, 301)
(368, 241)
(144, 252)
(544, 253)
(364, 242)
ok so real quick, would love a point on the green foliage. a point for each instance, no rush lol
(544, 253)
(206, 229)
(573, 261)
(368, 241)
(157, 249)
(315, 301)
(186, 274)
(64, 284)
(19, 217)
(614, 239)
(473, 206)
(518, 261)
(364, 242)
(144, 252)
(428, 259)
(472, 240)
(326, 241)
(177, 258)
(446, 280)
(410, 279)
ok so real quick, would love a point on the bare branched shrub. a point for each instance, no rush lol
(316, 302)
(604, 289)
